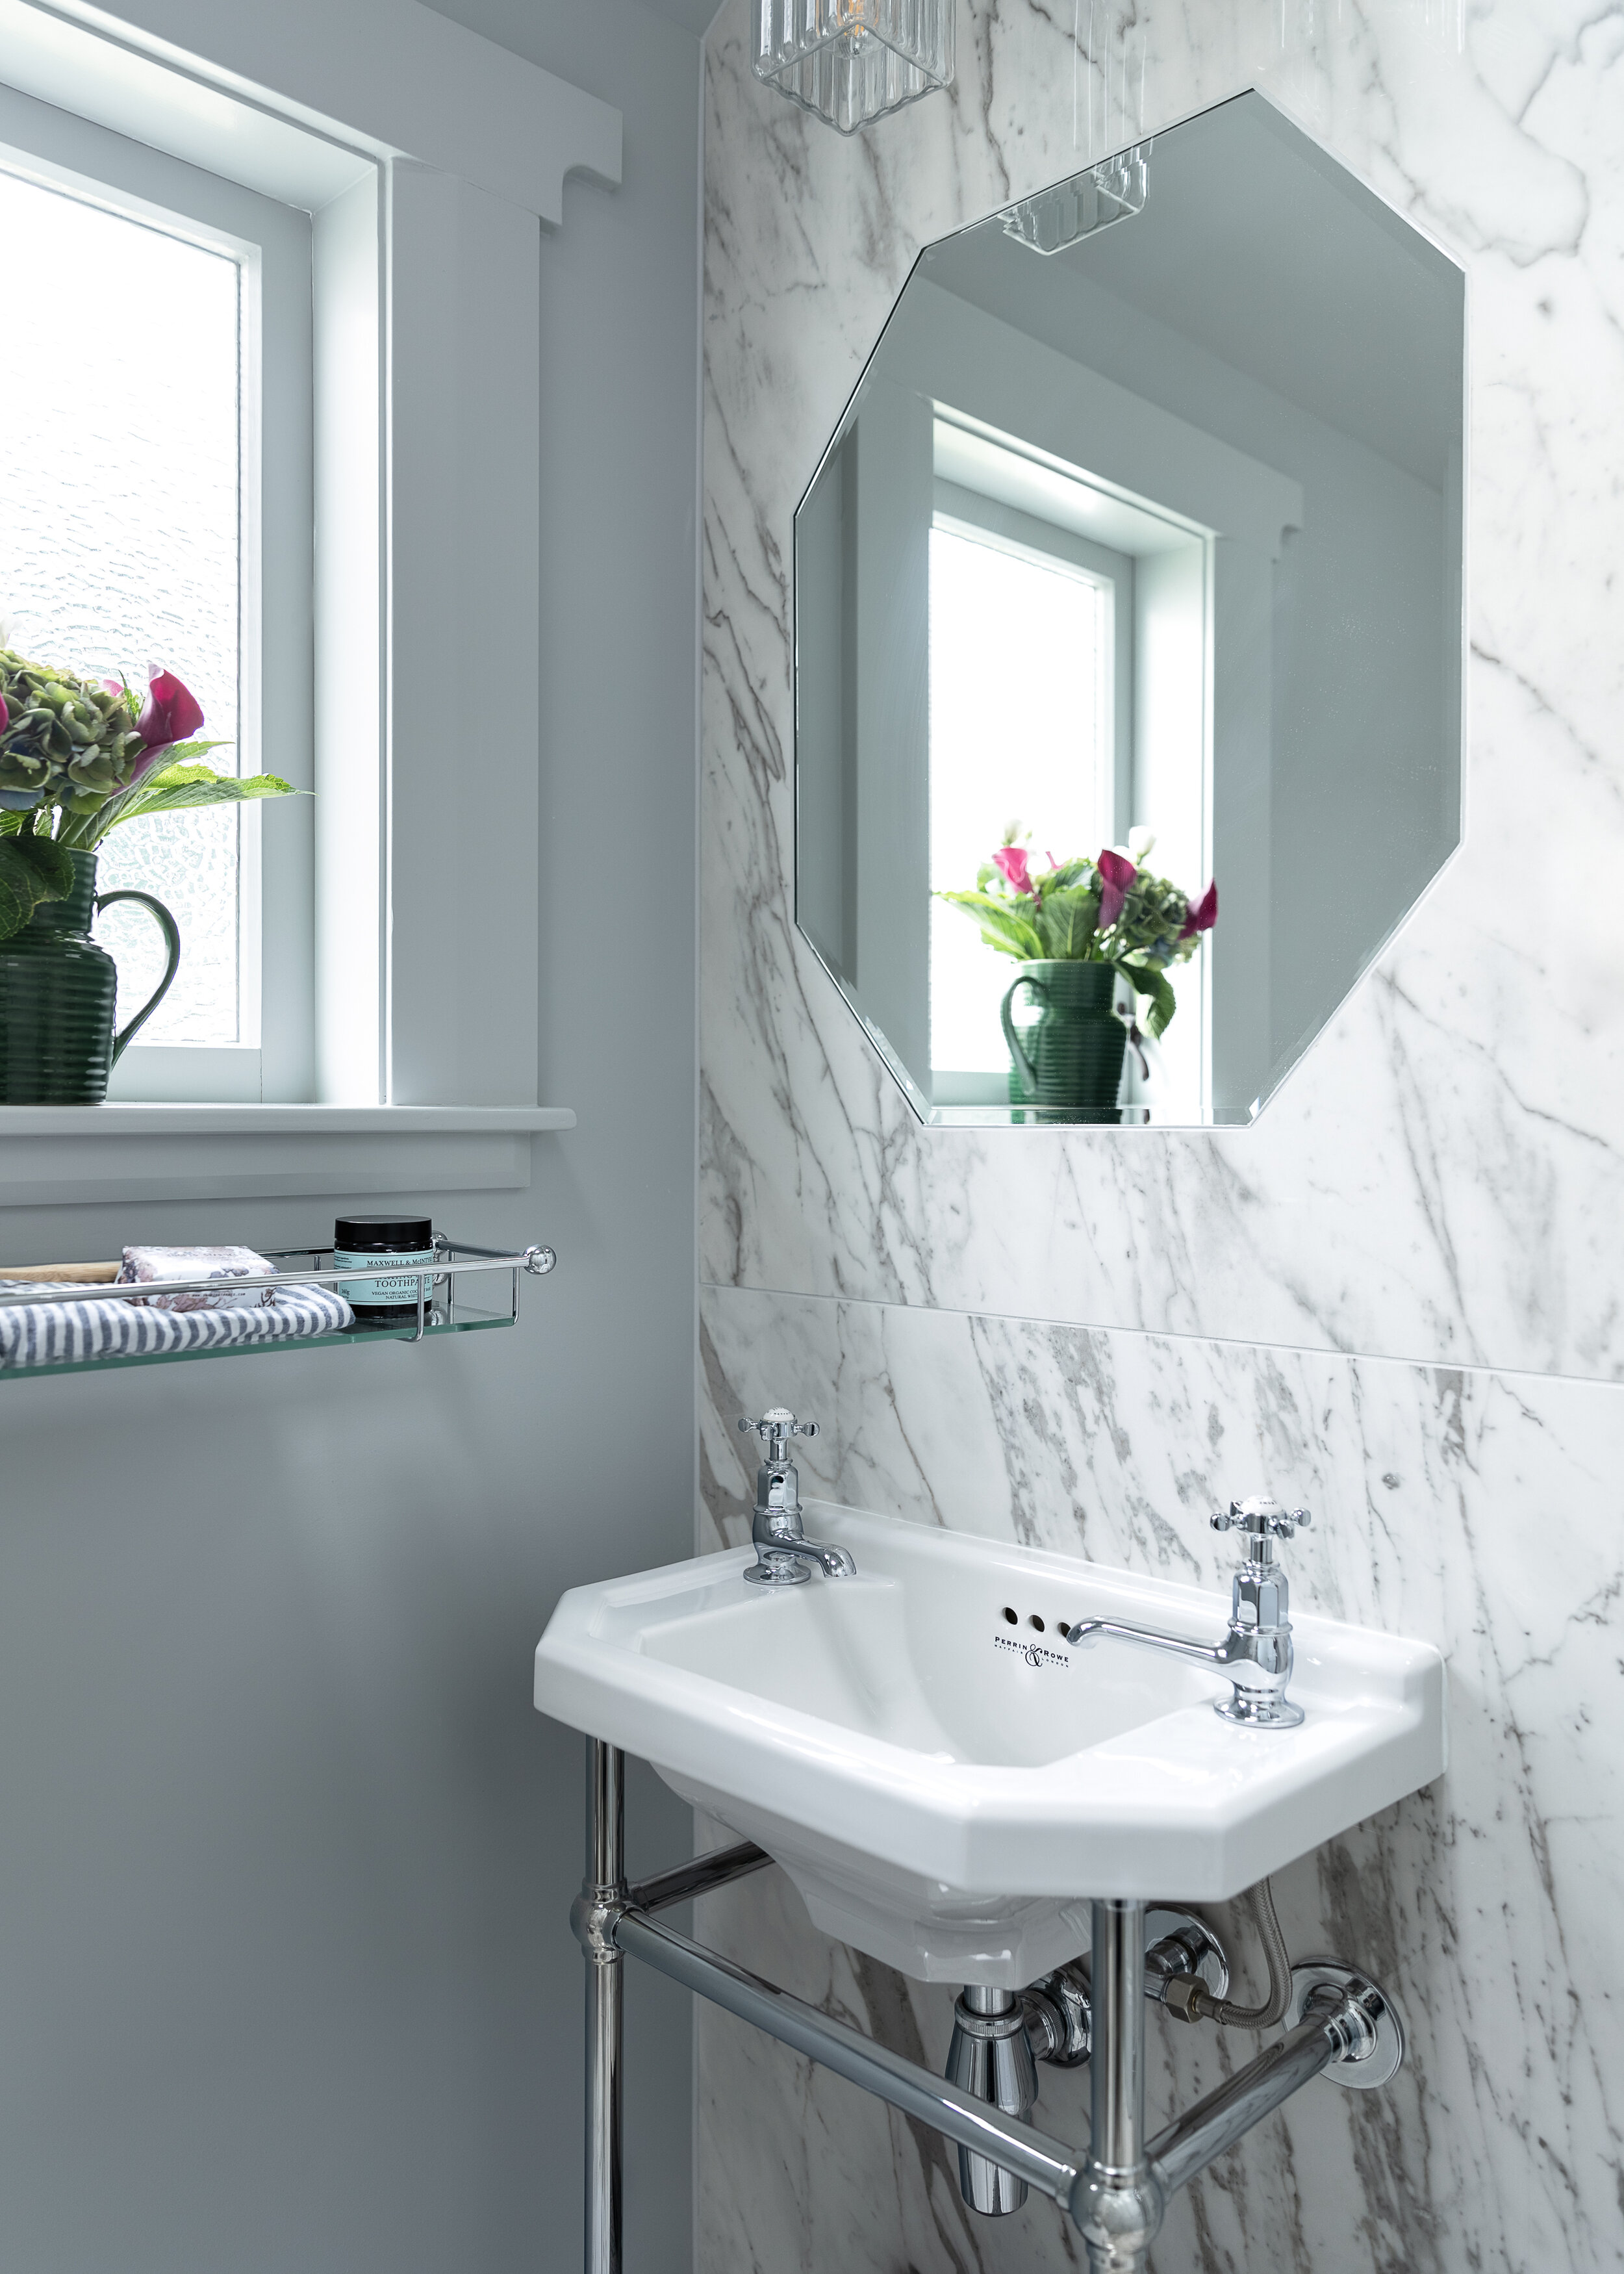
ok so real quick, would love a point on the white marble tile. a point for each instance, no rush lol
(1081, 1338)
(1477, 1510)
(1428, 1182)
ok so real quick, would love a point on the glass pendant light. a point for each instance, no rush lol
(1113, 191)
(850, 61)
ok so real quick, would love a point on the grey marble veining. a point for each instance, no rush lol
(1429, 1181)
(1396, 1295)
(1485, 1902)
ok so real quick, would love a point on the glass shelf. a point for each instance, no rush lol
(449, 1309)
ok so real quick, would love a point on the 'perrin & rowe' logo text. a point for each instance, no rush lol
(1033, 1652)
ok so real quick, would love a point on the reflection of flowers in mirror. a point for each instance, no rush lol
(79, 757)
(1109, 908)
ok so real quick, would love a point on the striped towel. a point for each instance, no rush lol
(67, 1334)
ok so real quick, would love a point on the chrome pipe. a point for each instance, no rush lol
(1195, 2139)
(991, 2056)
(1116, 2082)
(697, 1877)
(1117, 2202)
(1048, 2165)
(605, 1889)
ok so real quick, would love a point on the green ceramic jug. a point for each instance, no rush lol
(58, 991)
(1071, 1061)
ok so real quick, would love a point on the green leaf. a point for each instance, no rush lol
(1003, 926)
(1163, 1002)
(32, 870)
(179, 789)
(1068, 924)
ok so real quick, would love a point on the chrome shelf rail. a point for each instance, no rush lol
(437, 1308)
(537, 1260)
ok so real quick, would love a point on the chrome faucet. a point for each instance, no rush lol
(1255, 1655)
(783, 1552)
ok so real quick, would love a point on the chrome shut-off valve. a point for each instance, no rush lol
(784, 1555)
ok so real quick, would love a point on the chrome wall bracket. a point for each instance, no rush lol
(1342, 2025)
(1375, 2052)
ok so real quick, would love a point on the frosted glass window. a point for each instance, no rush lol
(1021, 729)
(120, 539)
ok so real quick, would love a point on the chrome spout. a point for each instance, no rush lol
(784, 1555)
(1255, 1655)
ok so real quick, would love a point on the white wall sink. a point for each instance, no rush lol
(948, 1789)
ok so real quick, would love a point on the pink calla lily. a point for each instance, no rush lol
(171, 713)
(1203, 912)
(5, 715)
(1116, 873)
(1011, 861)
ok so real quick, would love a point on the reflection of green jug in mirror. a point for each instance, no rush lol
(1071, 1060)
(58, 991)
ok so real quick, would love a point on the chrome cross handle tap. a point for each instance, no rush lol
(1263, 1521)
(783, 1552)
(1255, 1655)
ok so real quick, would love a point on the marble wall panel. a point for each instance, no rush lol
(1429, 1181)
(1485, 1902)
(1395, 1297)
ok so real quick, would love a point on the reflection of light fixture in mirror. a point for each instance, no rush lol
(1073, 210)
(850, 61)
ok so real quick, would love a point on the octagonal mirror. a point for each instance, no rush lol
(1128, 634)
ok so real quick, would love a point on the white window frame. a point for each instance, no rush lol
(270, 242)
(428, 186)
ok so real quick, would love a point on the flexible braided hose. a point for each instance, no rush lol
(1204, 2006)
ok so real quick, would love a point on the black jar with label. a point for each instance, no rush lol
(374, 1243)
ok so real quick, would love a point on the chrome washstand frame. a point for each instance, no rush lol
(1115, 2189)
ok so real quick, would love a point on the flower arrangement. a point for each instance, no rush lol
(1110, 909)
(79, 757)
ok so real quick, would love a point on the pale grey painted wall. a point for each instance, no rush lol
(285, 1976)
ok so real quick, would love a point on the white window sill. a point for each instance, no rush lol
(58, 1154)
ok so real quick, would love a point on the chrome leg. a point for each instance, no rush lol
(1118, 2199)
(605, 1882)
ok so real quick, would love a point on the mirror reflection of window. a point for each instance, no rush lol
(1022, 728)
(1068, 635)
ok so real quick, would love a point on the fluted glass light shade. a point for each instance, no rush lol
(850, 61)
(1113, 191)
